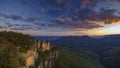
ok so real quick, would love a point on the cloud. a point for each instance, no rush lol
(19, 18)
(14, 17)
(63, 20)
(79, 24)
(84, 16)
(28, 1)
(108, 16)
(31, 19)
(67, 14)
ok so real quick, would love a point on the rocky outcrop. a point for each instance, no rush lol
(43, 45)
(49, 63)
(49, 52)
(30, 57)
(52, 55)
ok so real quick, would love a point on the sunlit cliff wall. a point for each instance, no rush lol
(41, 50)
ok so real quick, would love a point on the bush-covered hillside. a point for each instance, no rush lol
(87, 52)
(17, 39)
(11, 44)
(94, 57)
(70, 59)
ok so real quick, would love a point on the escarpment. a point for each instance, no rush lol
(42, 55)
(23, 51)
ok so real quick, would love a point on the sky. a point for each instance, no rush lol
(60, 17)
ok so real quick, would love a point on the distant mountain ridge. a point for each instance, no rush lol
(47, 37)
(78, 41)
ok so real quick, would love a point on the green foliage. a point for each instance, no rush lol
(11, 46)
(54, 48)
(111, 57)
(10, 56)
(18, 39)
(69, 59)
(42, 57)
(89, 57)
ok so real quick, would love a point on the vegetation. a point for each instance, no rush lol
(11, 46)
(14, 45)
(42, 57)
(22, 41)
(92, 52)
(86, 57)
(69, 59)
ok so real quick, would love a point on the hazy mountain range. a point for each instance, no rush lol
(90, 52)
(88, 41)
(73, 41)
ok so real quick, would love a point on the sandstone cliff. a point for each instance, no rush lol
(41, 55)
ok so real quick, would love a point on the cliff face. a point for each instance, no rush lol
(44, 45)
(30, 57)
(42, 55)
(22, 51)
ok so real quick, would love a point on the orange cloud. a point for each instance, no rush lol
(87, 1)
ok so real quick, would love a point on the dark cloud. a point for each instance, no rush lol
(28, 1)
(63, 20)
(22, 27)
(19, 18)
(53, 3)
(16, 25)
(89, 25)
(108, 15)
(31, 19)
(17, 28)
(46, 3)
(118, 1)
(9, 24)
(84, 16)
(39, 24)
(77, 24)
(14, 17)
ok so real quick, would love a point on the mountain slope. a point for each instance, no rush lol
(69, 59)
(95, 53)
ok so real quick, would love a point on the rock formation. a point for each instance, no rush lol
(51, 53)
(45, 46)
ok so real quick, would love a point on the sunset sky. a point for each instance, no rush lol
(60, 17)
